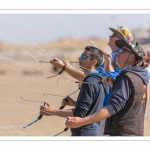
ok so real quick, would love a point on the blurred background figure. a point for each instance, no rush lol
(147, 59)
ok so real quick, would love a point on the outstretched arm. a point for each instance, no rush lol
(69, 69)
(49, 111)
(75, 122)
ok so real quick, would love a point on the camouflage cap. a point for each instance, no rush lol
(134, 46)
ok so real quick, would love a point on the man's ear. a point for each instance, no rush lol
(94, 62)
(131, 57)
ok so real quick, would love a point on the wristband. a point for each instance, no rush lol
(62, 69)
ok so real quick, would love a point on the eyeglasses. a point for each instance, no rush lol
(122, 50)
(83, 56)
(113, 35)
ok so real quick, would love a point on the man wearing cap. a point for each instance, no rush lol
(127, 104)
(119, 33)
(106, 69)
(109, 67)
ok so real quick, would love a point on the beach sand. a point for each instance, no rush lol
(15, 113)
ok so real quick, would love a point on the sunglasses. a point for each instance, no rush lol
(113, 35)
(83, 56)
(122, 50)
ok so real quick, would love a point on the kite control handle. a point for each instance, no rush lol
(40, 116)
(66, 99)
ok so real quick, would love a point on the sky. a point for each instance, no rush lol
(41, 28)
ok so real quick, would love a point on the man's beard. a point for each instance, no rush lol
(114, 64)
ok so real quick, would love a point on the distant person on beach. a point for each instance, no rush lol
(147, 59)
(124, 113)
(91, 96)
(107, 68)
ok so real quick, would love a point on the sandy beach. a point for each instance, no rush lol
(16, 82)
(19, 80)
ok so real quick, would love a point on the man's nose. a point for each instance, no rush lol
(118, 54)
(115, 55)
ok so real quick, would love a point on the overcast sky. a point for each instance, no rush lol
(41, 28)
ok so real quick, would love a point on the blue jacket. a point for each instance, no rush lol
(90, 100)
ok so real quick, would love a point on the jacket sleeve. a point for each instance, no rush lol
(120, 95)
(84, 101)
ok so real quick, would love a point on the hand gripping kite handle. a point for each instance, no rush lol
(66, 99)
(40, 116)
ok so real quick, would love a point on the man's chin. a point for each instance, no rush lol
(118, 64)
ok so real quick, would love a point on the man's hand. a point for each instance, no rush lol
(47, 110)
(107, 64)
(79, 85)
(69, 102)
(74, 122)
(57, 63)
(75, 73)
(107, 57)
(108, 79)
